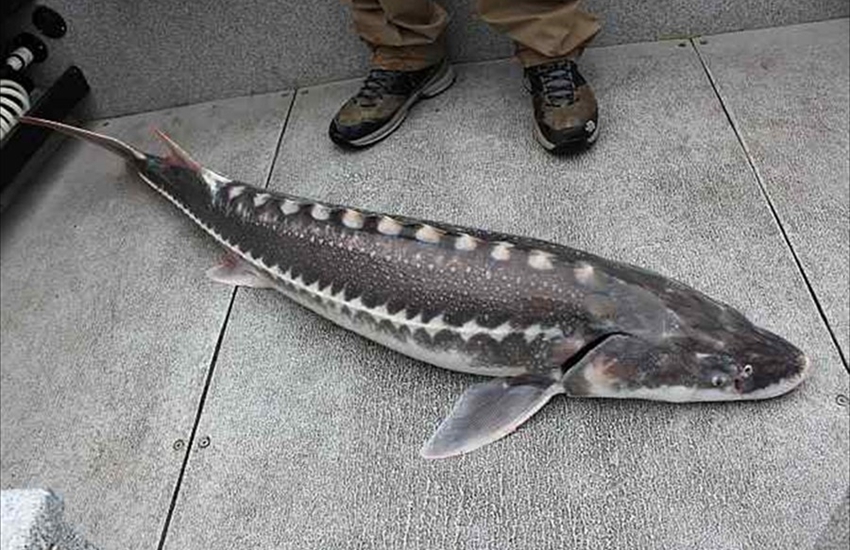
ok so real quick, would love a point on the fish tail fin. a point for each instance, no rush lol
(116, 146)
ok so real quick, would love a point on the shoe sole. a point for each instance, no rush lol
(568, 146)
(438, 84)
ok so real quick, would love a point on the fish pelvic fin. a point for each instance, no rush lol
(234, 271)
(489, 411)
(114, 145)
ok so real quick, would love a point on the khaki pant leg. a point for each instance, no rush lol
(542, 30)
(405, 35)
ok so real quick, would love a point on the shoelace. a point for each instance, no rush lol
(377, 82)
(558, 83)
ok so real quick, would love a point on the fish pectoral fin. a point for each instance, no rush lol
(235, 271)
(606, 365)
(489, 411)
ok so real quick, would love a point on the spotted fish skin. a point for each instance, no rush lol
(541, 317)
(457, 297)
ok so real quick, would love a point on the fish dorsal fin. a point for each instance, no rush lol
(177, 156)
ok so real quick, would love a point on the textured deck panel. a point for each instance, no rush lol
(108, 324)
(789, 92)
(315, 432)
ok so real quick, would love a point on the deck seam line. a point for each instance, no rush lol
(775, 214)
(214, 360)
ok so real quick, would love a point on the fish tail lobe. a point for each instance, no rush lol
(110, 143)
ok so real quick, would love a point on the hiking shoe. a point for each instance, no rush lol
(566, 114)
(383, 102)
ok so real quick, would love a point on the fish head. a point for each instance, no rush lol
(730, 357)
(691, 346)
(747, 363)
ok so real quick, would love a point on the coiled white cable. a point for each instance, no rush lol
(14, 102)
(20, 58)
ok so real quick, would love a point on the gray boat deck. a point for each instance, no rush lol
(168, 410)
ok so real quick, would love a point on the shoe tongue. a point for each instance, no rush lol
(558, 84)
(560, 88)
(378, 82)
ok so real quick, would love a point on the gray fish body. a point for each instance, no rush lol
(544, 318)
(458, 298)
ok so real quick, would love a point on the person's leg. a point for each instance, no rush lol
(543, 30)
(408, 63)
(405, 35)
(549, 36)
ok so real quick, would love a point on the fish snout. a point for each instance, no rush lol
(762, 377)
(805, 366)
(785, 378)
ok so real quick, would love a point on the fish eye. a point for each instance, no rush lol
(718, 380)
(747, 370)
